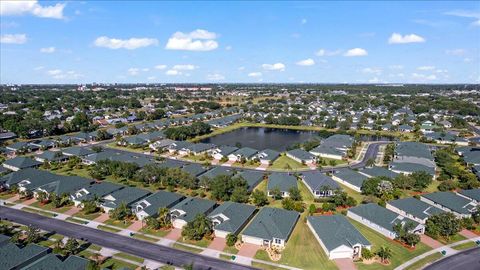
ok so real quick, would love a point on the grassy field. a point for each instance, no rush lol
(202, 243)
(145, 238)
(423, 262)
(119, 223)
(186, 248)
(108, 229)
(457, 237)
(6, 195)
(129, 257)
(302, 250)
(89, 216)
(400, 254)
(36, 211)
(465, 246)
(265, 266)
(159, 233)
(286, 163)
(231, 250)
(51, 207)
(112, 263)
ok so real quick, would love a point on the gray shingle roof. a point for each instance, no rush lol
(451, 201)
(246, 152)
(52, 262)
(350, 176)
(216, 171)
(77, 151)
(192, 207)
(301, 154)
(237, 215)
(22, 162)
(272, 223)
(99, 190)
(316, 180)
(473, 194)
(379, 171)
(127, 195)
(159, 200)
(194, 169)
(411, 167)
(381, 216)
(14, 256)
(415, 207)
(253, 178)
(335, 231)
(413, 149)
(283, 181)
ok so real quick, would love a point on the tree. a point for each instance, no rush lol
(405, 235)
(231, 239)
(198, 228)
(32, 235)
(422, 180)
(295, 194)
(16, 238)
(443, 224)
(42, 197)
(121, 212)
(259, 198)
(164, 217)
(152, 223)
(385, 253)
(276, 193)
(370, 185)
(312, 209)
(403, 181)
(71, 247)
(90, 206)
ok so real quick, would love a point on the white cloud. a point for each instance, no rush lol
(145, 69)
(172, 72)
(13, 38)
(254, 74)
(53, 72)
(306, 62)
(151, 78)
(133, 71)
(356, 52)
(129, 44)
(426, 68)
(184, 67)
(466, 14)
(215, 77)
(396, 38)
(424, 77)
(31, 7)
(241, 68)
(396, 67)
(161, 67)
(228, 48)
(374, 80)
(372, 70)
(60, 74)
(198, 40)
(456, 52)
(48, 50)
(39, 68)
(276, 66)
(324, 52)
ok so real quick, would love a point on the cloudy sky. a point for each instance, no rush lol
(326, 42)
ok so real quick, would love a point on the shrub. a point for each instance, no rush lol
(231, 239)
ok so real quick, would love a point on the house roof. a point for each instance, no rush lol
(316, 180)
(452, 201)
(77, 151)
(66, 184)
(378, 171)
(335, 145)
(268, 154)
(470, 154)
(416, 208)
(216, 171)
(301, 154)
(413, 149)
(473, 194)
(246, 152)
(252, 178)
(200, 147)
(52, 262)
(52, 155)
(350, 176)
(237, 215)
(127, 195)
(411, 167)
(194, 169)
(159, 200)
(14, 256)
(380, 215)
(226, 150)
(283, 181)
(335, 231)
(192, 207)
(272, 223)
(99, 190)
(22, 162)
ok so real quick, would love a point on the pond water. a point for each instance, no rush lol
(272, 138)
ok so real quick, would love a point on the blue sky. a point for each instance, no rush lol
(325, 42)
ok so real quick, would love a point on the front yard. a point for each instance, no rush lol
(286, 163)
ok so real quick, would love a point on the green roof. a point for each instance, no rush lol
(22, 162)
(452, 201)
(416, 208)
(379, 171)
(272, 223)
(192, 207)
(13, 256)
(52, 262)
(283, 181)
(216, 171)
(99, 190)
(253, 178)
(158, 200)
(236, 214)
(127, 195)
(335, 231)
(473, 194)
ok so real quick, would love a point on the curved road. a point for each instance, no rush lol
(125, 244)
(465, 260)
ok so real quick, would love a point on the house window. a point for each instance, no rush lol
(278, 241)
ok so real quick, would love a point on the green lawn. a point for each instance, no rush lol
(400, 253)
(231, 250)
(112, 263)
(457, 237)
(129, 257)
(286, 163)
(302, 250)
(76, 220)
(202, 243)
(352, 193)
(423, 262)
(92, 216)
(159, 233)
(6, 195)
(119, 223)
(266, 266)
(465, 246)
(36, 211)
(51, 207)
(108, 229)
(186, 248)
(330, 161)
(145, 238)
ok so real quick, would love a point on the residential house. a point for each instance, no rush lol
(350, 178)
(51, 156)
(413, 209)
(222, 151)
(186, 210)
(246, 153)
(381, 219)
(19, 163)
(451, 202)
(281, 181)
(377, 172)
(230, 218)
(471, 194)
(253, 178)
(335, 147)
(267, 156)
(149, 206)
(95, 191)
(301, 156)
(319, 184)
(270, 227)
(338, 237)
(127, 195)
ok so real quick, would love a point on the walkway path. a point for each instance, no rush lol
(345, 264)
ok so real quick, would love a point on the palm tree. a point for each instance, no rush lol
(164, 216)
(384, 253)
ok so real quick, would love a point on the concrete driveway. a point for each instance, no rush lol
(345, 264)
(430, 241)
(174, 234)
(248, 250)
(218, 243)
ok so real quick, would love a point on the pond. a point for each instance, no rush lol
(272, 138)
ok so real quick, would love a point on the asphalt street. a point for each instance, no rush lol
(466, 260)
(125, 244)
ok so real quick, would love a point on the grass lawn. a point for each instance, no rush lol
(352, 193)
(457, 237)
(246, 165)
(465, 246)
(94, 247)
(129, 257)
(329, 162)
(302, 250)
(51, 207)
(36, 211)
(423, 262)
(159, 233)
(119, 223)
(186, 248)
(265, 266)
(112, 263)
(108, 229)
(400, 254)
(167, 267)
(225, 257)
(92, 216)
(6, 195)
(202, 243)
(85, 254)
(231, 250)
(145, 238)
(76, 220)
(286, 163)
